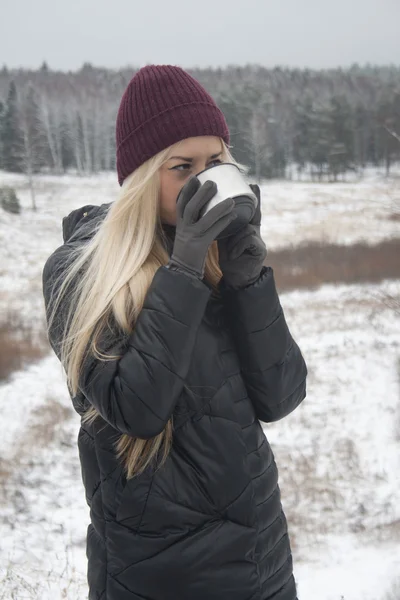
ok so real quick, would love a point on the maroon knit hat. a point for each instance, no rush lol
(161, 106)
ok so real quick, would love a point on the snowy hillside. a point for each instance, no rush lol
(338, 454)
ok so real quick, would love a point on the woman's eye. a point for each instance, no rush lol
(188, 166)
(181, 167)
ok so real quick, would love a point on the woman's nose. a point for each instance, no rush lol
(201, 168)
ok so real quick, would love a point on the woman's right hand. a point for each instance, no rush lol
(193, 234)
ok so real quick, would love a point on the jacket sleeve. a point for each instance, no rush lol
(136, 393)
(271, 362)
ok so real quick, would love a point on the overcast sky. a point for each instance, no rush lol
(118, 33)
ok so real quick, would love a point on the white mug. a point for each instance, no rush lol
(230, 184)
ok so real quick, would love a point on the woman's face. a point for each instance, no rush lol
(188, 157)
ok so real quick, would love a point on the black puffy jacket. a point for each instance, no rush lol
(209, 524)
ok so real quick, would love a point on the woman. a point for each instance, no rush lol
(175, 346)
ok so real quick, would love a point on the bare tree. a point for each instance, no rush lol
(51, 115)
(393, 133)
(33, 139)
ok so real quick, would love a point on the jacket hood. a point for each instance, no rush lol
(80, 223)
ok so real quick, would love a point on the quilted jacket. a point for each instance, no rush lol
(209, 524)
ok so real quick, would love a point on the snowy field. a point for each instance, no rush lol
(338, 454)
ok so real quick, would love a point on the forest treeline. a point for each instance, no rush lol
(283, 121)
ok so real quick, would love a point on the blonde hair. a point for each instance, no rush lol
(111, 274)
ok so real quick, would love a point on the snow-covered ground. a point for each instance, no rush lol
(337, 454)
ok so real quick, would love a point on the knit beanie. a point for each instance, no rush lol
(161, 106)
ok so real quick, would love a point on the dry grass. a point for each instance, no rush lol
(15, 585)
(45, 424)
(317, 501)
(384, 533)
(393, 592)
(313, 264)
(19, 345)
(45, 427)
(27, 578)
(31, 581)
(308, 491)
(397, 422)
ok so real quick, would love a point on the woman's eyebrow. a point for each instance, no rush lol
(186, 159)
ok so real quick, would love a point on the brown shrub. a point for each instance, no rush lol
(19, 345)
(45, 427)
(45, 423)
(313, 264)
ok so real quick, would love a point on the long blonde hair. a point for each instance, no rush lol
(112, 273)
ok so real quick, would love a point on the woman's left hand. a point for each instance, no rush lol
(242, 255)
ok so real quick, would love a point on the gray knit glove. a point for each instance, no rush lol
(193, 234)
(242, 255)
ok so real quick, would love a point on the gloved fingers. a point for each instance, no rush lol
(185, 195)
(222, 209)
(256, 220)
(250, 244)
(233, 240)
(256, 189)
(221, 224)
(200, 199)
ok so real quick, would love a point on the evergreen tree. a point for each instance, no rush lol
(2, 111)
(36, 153)
(361, 128)
(337, 159)
(320, 139)
(302, 132)
(341, 152)
(44, 68)
(66, 145)
(12, 140)
(386, 119)
(233, 114)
